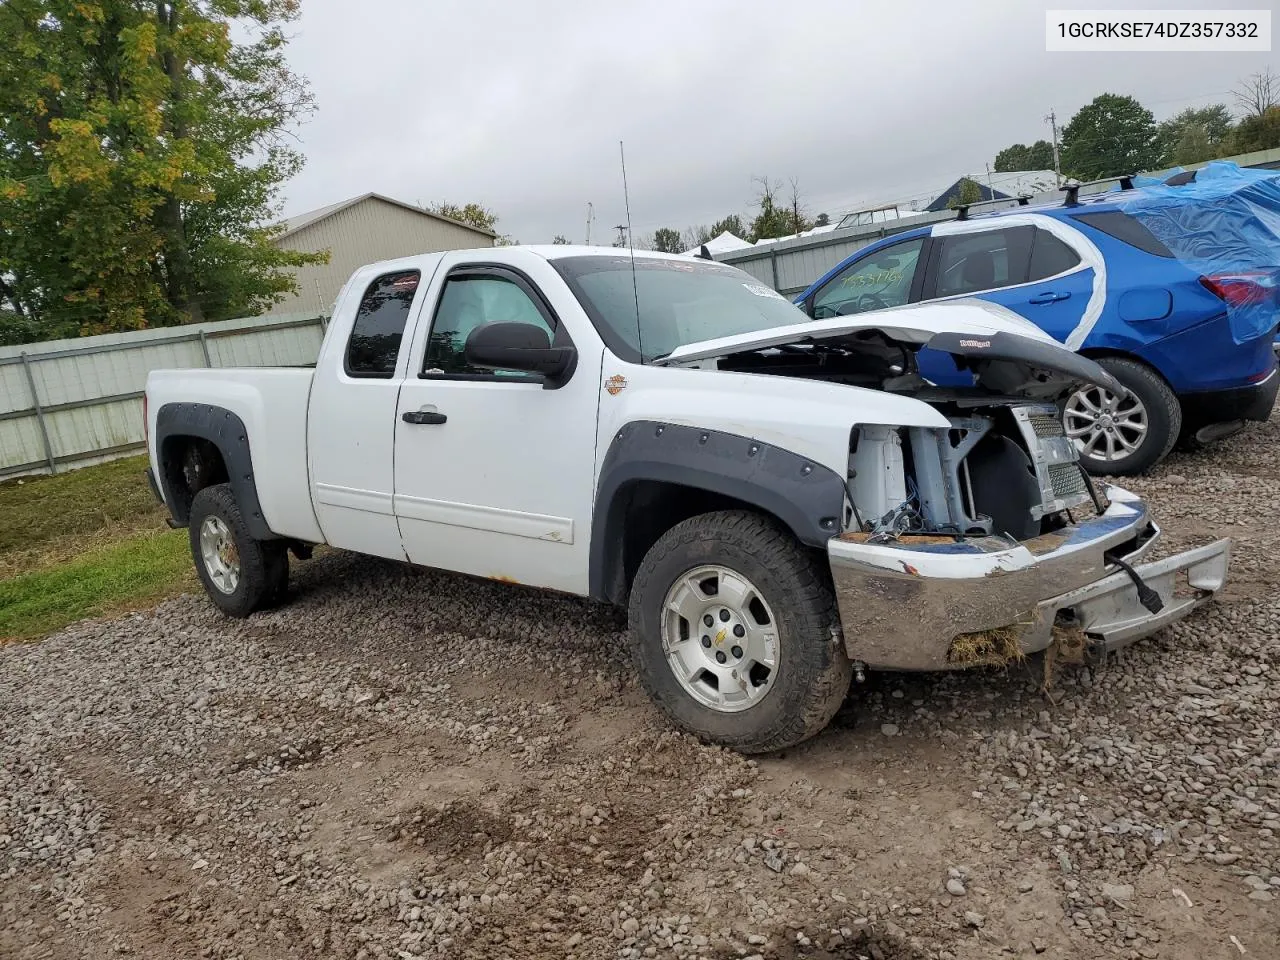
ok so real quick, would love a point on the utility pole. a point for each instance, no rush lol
(990, 186)
(622, 234)
(1057, 164)
(590, 217)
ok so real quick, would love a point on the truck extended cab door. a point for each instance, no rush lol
(351, 415)
(493, 471)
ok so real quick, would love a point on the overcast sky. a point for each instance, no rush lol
(520, 105)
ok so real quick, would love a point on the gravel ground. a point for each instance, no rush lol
(404, 764)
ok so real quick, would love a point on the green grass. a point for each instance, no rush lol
(134, 572)
(45, 520)
(84, 543)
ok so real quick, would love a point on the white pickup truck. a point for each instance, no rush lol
(779, 504)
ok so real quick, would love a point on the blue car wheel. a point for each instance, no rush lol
(1123, 436)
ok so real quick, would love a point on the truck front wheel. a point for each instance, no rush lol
(731, 629)
(240, 574)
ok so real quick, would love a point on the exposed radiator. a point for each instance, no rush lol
(1054, 457)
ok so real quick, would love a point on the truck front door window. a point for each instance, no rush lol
(466, 303)
(881, 280)
(379, 326)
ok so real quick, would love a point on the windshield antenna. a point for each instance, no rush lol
(635, 289)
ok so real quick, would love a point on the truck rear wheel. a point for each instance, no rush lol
(240, 574)
(731, 629)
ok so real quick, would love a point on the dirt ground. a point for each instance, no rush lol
(404, 764)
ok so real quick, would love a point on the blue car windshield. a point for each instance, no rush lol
(680, 302)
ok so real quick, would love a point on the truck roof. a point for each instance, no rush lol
(516, 253)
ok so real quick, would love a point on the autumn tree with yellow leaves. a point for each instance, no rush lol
(142, 150)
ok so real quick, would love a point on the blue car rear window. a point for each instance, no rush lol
(1124, 227)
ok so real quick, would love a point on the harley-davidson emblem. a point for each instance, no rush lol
(615, 384)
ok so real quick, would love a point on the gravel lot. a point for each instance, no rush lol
(404, 764)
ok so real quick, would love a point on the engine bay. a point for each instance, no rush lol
(1004, 472)
(1004, 468)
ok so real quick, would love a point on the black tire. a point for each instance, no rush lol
(813, 672)
(264, 565)
(1187, 442)
(1164, 419)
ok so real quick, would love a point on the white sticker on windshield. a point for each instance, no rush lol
(760, 290)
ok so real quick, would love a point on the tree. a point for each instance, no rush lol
(1109, 137)
(667, 240)
(730, 224)
(772, 220)
(822, 220)
(696, 236)
(1253, 133)
(472, 214)
(798, 220)
(141, 158)
(15, 329)
(1011, 158)
(1212, 124)
(1258, 94)
(969, 192)
(1019, 156)
(1193, 147)
(559, 240)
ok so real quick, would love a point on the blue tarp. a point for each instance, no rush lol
(1227, 221)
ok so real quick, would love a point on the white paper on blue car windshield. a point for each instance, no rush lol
(760, 290)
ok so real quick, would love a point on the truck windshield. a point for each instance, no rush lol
(681, 302)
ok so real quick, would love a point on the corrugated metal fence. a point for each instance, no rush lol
(67, 403)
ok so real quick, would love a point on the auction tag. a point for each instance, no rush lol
(760, 290)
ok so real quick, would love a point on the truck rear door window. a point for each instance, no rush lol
(379, 325)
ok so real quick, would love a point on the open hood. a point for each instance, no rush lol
(916, 323)
(1011, 363)
(1006, 352)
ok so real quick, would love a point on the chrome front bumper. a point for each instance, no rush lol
(903, 603)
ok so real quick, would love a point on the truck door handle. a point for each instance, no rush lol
(1049, 297)
(423, 416)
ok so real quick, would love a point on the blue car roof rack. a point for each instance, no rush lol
(1073, 189)
(962, 209)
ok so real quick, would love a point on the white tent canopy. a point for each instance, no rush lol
(721, 244)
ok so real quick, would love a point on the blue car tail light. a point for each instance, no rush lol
(1246, 288)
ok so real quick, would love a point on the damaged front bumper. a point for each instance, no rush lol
(918, 603)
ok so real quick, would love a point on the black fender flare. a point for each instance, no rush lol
(226, 431)
(806, 496)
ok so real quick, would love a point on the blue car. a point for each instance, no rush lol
(1189, 334)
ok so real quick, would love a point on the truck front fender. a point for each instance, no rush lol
(804, 495)
(226, 431)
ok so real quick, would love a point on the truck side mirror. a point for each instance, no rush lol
(519, 346)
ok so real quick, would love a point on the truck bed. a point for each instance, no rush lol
(272, 402)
